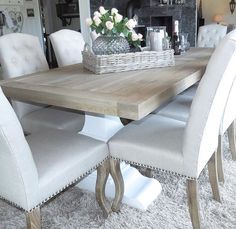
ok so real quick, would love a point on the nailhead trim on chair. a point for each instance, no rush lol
(63, 188)
(154, 168)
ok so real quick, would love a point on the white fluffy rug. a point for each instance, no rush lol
(77, 209)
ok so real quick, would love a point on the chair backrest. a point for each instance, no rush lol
(21, 54)
(68, 46)
(210, 35)
(201, 134)
(18, 173)
(230, 110)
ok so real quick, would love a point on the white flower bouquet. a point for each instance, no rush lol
(111, 23)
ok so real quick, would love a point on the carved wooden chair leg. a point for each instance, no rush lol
(193, 203)
(119, 184)
(33, 219)
(231, 137)
(220, 160)
(213, 176)
(148, 173)
(102, 176)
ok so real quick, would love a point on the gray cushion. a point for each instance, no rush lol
(68, 46)
(154, 141)
(61, 157)
(211, 35)
(52, 118)
(178, 109)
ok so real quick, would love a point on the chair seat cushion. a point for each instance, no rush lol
(178, 109)
(190, 91)
(168, 106)
(52, 118)
(153, 141)
(60, 164)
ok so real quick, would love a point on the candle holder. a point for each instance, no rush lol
(161, 30)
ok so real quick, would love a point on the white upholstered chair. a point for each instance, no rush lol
(171, 145)
(179, 109)
(210, 35)
(36, 168)
(67, 45)
(21, 54)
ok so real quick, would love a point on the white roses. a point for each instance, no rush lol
(131, 24)
(114, 11)
(118, 18)
(102, 10)
(97, 20)
(111, 23)
(136, 37)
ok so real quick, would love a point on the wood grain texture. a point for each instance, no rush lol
(213, 176)
(131, 95)
(193, 203)
(119, 184)
(232, 140)
(102, 176)
(33, 219)
(220, 169)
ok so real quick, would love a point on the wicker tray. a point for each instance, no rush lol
(100, 64)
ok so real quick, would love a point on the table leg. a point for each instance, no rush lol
(140, 191)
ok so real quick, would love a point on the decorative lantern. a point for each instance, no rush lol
(232, 5)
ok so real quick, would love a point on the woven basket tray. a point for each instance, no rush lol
(100, 64)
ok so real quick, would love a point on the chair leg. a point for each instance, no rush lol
(220, 160)
(33, 219)
(119, 184)
(148, 173)
(102, 176)
(193, 203)
(213, 176)
(231, 137)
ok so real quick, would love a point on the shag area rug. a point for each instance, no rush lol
(78, 209)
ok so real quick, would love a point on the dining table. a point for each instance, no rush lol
(108, 99)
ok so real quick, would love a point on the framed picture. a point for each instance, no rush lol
(30, 12)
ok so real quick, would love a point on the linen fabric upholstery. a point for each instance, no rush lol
(230, 110)
(33, 171)
(177, 109)
(210, 35)
(208, 106)
(179, 106)
(154, 141)
(190, 92)
(61, 157)
(53, 118)
(18, 173)
(21, 54)
(199, 138)
(68, 46)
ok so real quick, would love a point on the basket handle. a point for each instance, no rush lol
(87, 48)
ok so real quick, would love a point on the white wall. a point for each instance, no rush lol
(53, 22)
(31, 25)
(212, 7)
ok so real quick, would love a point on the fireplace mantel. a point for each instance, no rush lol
(185, 13)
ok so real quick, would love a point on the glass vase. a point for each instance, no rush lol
(106, 45)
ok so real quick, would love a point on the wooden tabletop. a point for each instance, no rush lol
(130, 95)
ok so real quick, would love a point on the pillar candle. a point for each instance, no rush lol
(156, 41)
